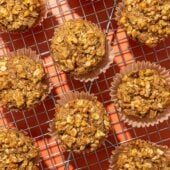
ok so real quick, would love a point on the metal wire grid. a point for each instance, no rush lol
(36, 121)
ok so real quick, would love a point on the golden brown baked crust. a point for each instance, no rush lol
(148, 21)
(17, 151)
(22, 82)
(78, 47)
(139, 155)
(143, 94)
(19, 15)
(81, 125)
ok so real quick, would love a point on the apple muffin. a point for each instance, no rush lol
(78, 47)
(143, 94)
(19, 15)
(140, 155)
(23, 82)
(17, 151)
(81, 125)
(147, 21)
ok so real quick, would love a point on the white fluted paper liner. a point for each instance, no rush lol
(71, 96)
(32, 54)
(119, 10)
(119, 149)
(43, 13)
(25, 52)
(134, 121)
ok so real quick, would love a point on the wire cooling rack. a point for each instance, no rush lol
(126, 51)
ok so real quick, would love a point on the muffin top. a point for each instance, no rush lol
(143, 94)
(146, 20)
(17, 151)
(78, 47)
(18, 15)
(139, 155)
(81, 125)
(22, 82)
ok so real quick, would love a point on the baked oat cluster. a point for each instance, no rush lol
(146, 20)
(19, 15)
(17, 151)
(81, 125)
(139, 155)
(143, 94)
(78, 47)
(22, 82)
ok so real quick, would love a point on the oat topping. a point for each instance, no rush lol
(22, 82)
(17, 151)
(140, 155)
(19, 15)
(82, 125)
(78, 47)
(146, 20)
(143, 94)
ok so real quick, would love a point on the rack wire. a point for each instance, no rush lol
(126, 51)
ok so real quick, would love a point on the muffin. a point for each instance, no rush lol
(79, 48)
(81, 122)
(23, 81)
(145, 21)
(17, 151)
(20, 15)
(140, 155)
(142, 95)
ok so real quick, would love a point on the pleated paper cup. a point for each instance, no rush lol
(25, 52)
(43, 13)
(72, 96)
(134, 121)
(120, 149)
(119, 10)
(31, 54)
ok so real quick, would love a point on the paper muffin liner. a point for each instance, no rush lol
(119, 149)
(101, 67)
(32, 54)
(42, 17)
(71, 96)
(119, 10)
(26, 135)
(43, 13)
(134, 121)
